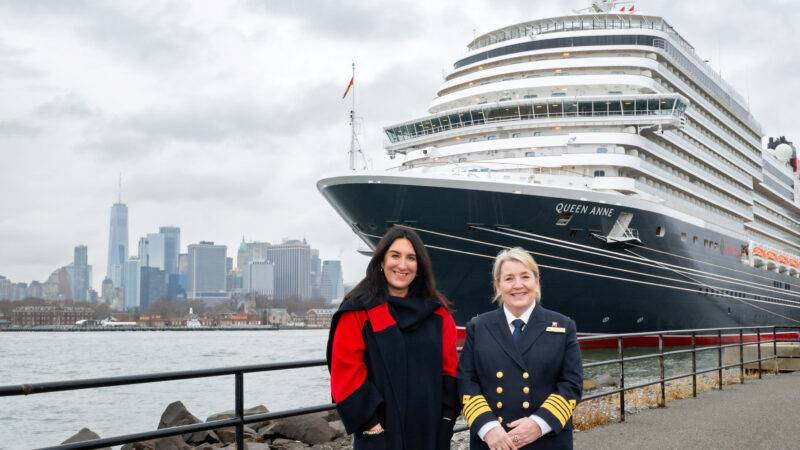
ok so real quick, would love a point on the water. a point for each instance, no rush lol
(48, 419)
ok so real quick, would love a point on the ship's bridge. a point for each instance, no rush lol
(665, 110)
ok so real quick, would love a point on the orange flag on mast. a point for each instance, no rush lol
(348, 87)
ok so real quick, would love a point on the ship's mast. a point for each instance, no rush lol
(355, 147)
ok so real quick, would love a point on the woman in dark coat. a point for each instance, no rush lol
(520, 373)
(392, 352)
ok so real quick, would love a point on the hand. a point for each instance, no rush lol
(524, 431)
(377, 429)
(497, 439)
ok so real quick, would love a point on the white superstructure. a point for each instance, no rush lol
(613, 102)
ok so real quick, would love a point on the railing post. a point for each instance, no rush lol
(240, 410)
(661, 370)
(775, 348)
(621, 381)
(758, 340)
(694, 364)
(741, 356)
(719, 357)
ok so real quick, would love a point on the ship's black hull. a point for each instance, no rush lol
(602, 294)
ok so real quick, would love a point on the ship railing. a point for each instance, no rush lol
(706, 339)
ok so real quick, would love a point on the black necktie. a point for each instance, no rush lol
(518, 324)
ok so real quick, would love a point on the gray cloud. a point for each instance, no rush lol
(70, 105)
(350, 20)
(10, 128)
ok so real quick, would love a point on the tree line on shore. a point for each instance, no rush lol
(169, 308)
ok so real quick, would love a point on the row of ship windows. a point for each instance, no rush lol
(530, 96)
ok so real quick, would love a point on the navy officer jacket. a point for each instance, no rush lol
(504, 380)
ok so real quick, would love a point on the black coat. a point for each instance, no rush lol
(542, 373)
(395, 364)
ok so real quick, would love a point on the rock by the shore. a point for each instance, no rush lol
(287, 444)
(84, 435)
(143, 445)
(605, 380)
(172, 443)
(260, 409)
(176, 415)
(310, 428)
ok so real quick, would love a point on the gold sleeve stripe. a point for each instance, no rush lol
(477, 413)
(473, 408)
(555, 411)
(469, 410)
(474, 400)
(563, 409)
(562, 401)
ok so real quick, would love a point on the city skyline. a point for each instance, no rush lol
(205, 143)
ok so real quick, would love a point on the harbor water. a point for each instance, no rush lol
(48, 419)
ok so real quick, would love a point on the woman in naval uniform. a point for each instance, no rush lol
(520, 374)
(392, 352)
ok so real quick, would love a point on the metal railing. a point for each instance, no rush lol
(717, 334)
(240, 420)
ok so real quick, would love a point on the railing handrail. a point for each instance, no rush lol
(88, 383)
(240, 420)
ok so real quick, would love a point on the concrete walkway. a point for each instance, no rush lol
(759, 414)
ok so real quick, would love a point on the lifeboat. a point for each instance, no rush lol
(758, 251)
(794, 263)
(783, 260)
(772, 256)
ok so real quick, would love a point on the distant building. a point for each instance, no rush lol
(332, 285)
(107, 289)
(292, 261)
(207, 269)
(278, 316)
(31, 316)
(153, 286)
(258, 277)
(117, 243)
(5, 288)
(133, 279)
(251, 251)
(80, 270)
(320, 317)
(172, 246)
(36, 289)
(316, 273)
(64, 285)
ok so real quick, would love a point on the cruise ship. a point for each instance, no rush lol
(604, 145)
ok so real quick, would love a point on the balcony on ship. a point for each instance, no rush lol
(664, 110)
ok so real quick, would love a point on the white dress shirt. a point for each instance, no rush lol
(542, 424)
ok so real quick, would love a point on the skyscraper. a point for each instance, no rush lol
(155, 245)
(172, 246)
(207, 271)
(117, 243)
(332, 285)
(80, 280)
(292, 261)
(133, 279)
(259, 278)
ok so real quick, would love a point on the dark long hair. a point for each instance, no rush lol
(374, 285)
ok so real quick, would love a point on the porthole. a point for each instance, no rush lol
(660, 231)
(606, 319)
(640, 320)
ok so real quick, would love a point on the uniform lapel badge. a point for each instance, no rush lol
(554, 328)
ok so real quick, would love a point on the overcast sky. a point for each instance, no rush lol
(221, 115)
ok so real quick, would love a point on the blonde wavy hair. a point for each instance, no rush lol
(521, 256)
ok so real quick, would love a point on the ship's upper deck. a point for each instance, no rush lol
(487, 45)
